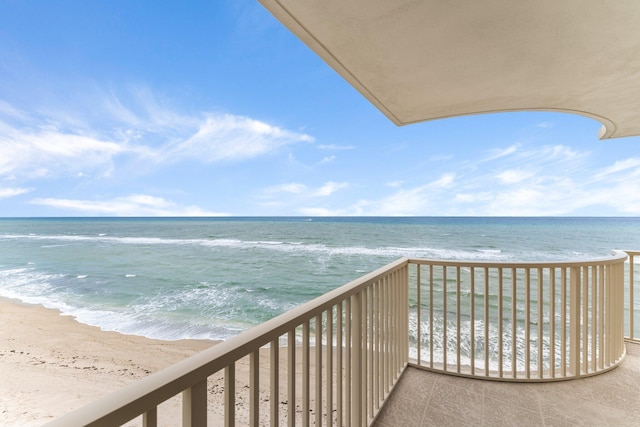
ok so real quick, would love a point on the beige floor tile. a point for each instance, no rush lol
(431, 399)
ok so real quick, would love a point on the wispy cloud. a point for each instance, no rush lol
(293, 188)
(495, 154)
(48, 151)
(325, 190)
(628, 165)
(228, 137)
(133, 205)
(328, 159)
(63, 142)
(329, 188)
(544, 180)
(513, 176)
(12, 192)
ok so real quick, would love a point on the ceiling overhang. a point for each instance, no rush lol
(419, 60)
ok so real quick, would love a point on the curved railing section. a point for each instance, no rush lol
(517, 321)
(336, 359)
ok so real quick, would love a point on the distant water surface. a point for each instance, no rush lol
(211, 278)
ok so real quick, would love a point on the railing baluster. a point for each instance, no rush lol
(552, 322)
(370, 344)
(377, 386)
(527, 322)
(574, 322)
(632, 308)
(563, 316)
(472, 320)
(150, 418)
(594, 318)
(194, 405)
(305, 373)
(609, 318)
(274, 395)
(431, 304)
(388, 333)
(329, 368)
(356, 361)
(500, 323)
(540, 322)
(514, 324)
(339, 373)
(347, 365)
(486, 321)
(419, 315)
(291, 378)
(254, 388)
(365, 352)
(444, 317)
(601, 299)
(458, 319)
(229, 396)
(585, 319)
(318, 373)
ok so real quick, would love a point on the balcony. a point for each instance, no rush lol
(397, 346)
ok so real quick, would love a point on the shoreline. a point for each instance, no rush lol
(51, 364)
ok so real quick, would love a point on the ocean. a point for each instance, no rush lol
(211, 278)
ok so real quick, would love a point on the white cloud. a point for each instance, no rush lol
(304, 190)
(228, 137)
(12, 192)
(134, 205)
(293, 188)
(445, 181)
(47, 150)
(327, 159)
(513, 176)
(98, 140)
(621, 165)
(329, 188)
(545, 180)
(499, 153)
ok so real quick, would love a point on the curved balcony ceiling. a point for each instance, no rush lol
(420, 60)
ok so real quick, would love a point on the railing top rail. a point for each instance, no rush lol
(633, 253)
(617, 257)
(123, 405)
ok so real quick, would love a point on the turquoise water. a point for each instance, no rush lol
(212, 278)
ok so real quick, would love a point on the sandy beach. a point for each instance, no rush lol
(51, 364)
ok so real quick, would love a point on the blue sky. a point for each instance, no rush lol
(113, 108)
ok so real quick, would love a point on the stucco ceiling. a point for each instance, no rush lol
(420, 60)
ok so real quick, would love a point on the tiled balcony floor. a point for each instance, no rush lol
(429, 399)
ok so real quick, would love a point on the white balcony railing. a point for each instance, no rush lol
(346, 350)
(518, 321)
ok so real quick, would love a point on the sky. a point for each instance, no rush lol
(213, 108)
